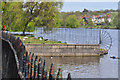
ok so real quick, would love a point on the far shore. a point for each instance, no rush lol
(86, 27)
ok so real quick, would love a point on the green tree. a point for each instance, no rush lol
(20, 15)
(85, 11)
(72, 21)
(47, 11)
(58, 20)
(0, 14)
(12, 15)
(82, 22)
(77, 13)
(116, 21)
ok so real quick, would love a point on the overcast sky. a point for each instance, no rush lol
(79, 6)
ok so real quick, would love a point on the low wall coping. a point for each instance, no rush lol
(63, 44)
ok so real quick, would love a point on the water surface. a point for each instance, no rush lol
(84, 67)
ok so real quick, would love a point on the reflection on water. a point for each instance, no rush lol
(70, 35)
(77, 66)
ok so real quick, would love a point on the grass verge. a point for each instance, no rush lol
(33, 40)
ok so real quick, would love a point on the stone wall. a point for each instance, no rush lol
(64, 49)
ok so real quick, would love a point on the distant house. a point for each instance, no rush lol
(98, 20)
(109, 17)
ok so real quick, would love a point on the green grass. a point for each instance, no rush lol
(32, 40)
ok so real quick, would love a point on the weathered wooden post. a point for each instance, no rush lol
(40, 68)
(52, 73)
(59, 74)
(36, 67)
(21, 58)
(32, 66)
(69, 76)
(44, 72)
(29, 65)
(26, 65)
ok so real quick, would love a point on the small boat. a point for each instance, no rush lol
(114, 57)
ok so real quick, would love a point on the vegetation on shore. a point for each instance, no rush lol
(22, 17)
(33, 40)
(105, 19)
(95, 27)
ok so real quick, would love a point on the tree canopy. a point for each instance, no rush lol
(24, 16)
(72, 21)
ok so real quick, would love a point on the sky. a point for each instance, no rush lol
(79, 6)
(90, 0)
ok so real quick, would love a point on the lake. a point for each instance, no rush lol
(84, 67)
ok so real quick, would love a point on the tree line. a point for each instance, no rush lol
(77, 18)
(24, 16)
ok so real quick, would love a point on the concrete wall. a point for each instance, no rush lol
(64, 49)
(9, 65)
